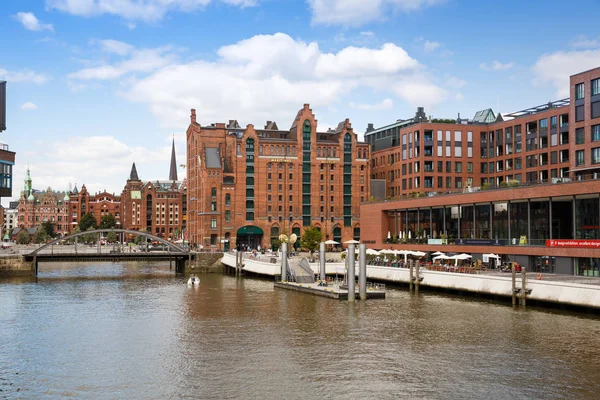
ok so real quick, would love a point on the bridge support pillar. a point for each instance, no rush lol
(180, 265)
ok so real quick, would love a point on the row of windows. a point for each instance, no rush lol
(580, 111)
(580, 89)
(580, 156)
(594, 134)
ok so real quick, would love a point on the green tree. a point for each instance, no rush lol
(311, 239)
(48, 227)
(40, 235)
(90, 237)
(139, 240)
(23, 237)
(111, 237)
(87, 221)
(75, 230)
(108, 221)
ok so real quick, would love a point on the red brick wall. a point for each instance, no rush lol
(201, 180)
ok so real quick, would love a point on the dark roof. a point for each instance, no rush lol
(233, 124)
(173, 169)
(133, 175)
(271, 125)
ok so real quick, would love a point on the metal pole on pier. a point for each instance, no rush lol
(417, 276)
(322, 261)
(351, 273)
(283, 262)
(514, 285)
(523, 286)
(410, 277)
(362, 271)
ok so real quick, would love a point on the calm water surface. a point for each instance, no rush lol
(111, 331)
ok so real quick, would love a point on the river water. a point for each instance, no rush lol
(111, 331)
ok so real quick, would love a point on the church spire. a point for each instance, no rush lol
(133, 175)
(173, 170)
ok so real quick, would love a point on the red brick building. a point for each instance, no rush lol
(248, 185)
(546, 158)
(158, 207)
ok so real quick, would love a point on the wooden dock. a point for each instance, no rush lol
(333, 291)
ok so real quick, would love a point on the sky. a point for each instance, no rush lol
(95, 85)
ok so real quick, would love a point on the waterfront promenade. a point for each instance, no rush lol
(557, 289)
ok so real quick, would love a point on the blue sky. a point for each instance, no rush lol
(95, 85)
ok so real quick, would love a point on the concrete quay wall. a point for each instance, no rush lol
(14, 265)
(565, 293)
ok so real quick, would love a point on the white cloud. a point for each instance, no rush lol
(116, 47)
(420, 92)
(29, 106)
(146, 10)
(430, 46)
(268, 77)
(30, 22)
(582, 42)
(386, 104)
(99, 162)
(363, 62)
(367, 33)
(360, 12)
(555, 68)
(25, 75)
(496, 66)
(144, 60)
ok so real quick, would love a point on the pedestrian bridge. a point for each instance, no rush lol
(68, 249)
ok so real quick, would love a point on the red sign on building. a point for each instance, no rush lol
(573, 243)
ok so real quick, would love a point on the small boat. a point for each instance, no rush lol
(194, 280)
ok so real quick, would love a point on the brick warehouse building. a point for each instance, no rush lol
(158, 207)
(247, 185)
(526, 183)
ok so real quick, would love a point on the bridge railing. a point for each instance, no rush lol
(93, 249)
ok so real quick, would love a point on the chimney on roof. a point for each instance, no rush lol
(193, 116)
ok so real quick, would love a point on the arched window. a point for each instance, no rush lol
(334, 152)
(213, 192)
(260, 150)
(318, 152)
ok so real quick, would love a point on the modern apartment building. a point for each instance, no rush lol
(525, 183)
(246, 186)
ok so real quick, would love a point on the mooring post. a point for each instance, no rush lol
(362, 271)
(410, 277)
(351, 273)
(76, 237)
(523, 286)
(514, 285)
(322, 261)
(283, 262)
(417, 276)
(99, 237)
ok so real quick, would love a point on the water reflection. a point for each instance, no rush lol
(115, 331)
